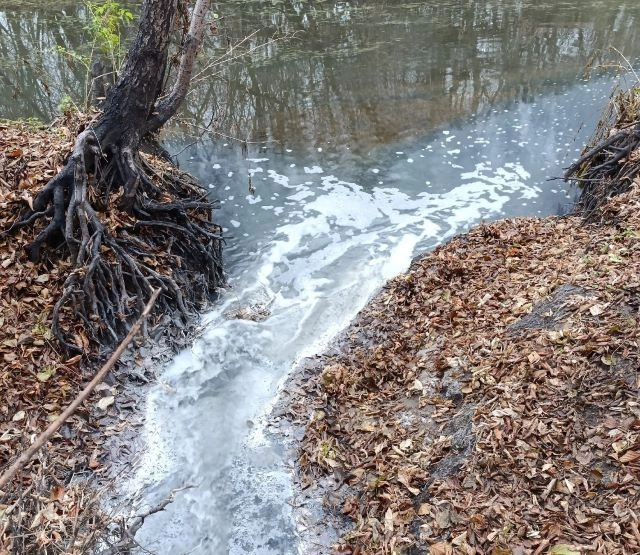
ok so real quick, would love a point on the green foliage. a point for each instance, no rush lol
(105, 26)
(67, 104)
(73, 56)
(33, 123)
(106, 21)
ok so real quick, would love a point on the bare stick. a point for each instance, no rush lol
(168, 106)
(82, 396)
(127, 540)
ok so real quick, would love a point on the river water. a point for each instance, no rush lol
(375, 130)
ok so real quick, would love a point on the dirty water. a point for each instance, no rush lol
(375, 131)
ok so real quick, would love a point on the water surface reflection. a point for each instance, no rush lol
(353, 73)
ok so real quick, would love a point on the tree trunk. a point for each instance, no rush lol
(131, 102)
(171, 242)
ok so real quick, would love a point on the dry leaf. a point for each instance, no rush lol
(441, 548)
(105, 402)
(388, 521)
(19, 416)
(45, 373)
(629, 456)
(564, 549)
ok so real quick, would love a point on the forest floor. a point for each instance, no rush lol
(487, 401)
(54, 504)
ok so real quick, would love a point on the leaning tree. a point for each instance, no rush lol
(159, 231)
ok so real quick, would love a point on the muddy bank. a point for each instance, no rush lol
(486, 401)
(54, 502)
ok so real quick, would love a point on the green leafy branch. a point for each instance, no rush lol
(106, 21)
(105, 26)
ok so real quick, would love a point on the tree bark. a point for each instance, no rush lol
(173, 243)
(191, 46)
(132, 101)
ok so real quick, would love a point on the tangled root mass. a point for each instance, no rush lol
(130, 223)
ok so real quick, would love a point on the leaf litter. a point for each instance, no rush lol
(487, 401)
(54, 504)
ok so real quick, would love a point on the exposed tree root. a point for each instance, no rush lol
(129, 226)
(609, 165)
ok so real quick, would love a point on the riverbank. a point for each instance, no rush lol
(55, 503)
(446, 295)
(486, 401)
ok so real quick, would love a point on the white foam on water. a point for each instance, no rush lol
(278, 178)
(334, 244)
(313, 169)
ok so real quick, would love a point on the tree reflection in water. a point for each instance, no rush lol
(356, 73)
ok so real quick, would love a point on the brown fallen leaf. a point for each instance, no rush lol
(441, 548)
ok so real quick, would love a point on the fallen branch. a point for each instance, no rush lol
(82, 396)
(127, 540)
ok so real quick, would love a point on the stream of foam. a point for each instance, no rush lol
(336, 245)
(309, 248)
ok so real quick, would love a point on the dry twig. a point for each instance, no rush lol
(26, 456)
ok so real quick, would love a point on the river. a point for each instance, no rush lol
(375, 131)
